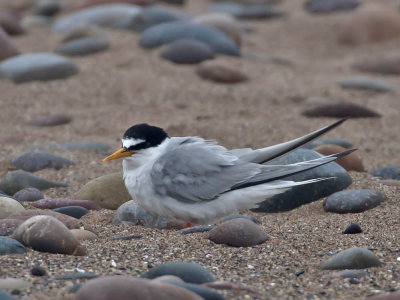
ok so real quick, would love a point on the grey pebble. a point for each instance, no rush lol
(196, 229)
(352, 258)
(365, 83)
(35, 161)
(11, 246)
(392, 172)
(82, 46)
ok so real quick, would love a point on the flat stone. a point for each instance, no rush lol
(247, 11)
(37, 67)
(10, 246)
(83, 235)
(204, 292)
(76, 212)
(108, 191)
(82, 46)
(238, 233)
(108, 15)
(392, 172)
(28, 195)
(50, 120)
(220, 72)
(73, 146)
(352, 258)
(351, 162)
(187, 51)
(347, 274)
(13, 284)
(83, 31)
(123, 287)
(50, 203)
(353, 201)
(47, 234)
(308, 193)
(90, 3)
(7, 226)
(10, 23)
(7, 48)
(9, 206)
(364, 83)
(15, 181)
(329, 141)
(340, 110)
(35, 161)
(388, 64)
(329, 6)
(169, 32)
(188, 272)
(353, 228)
(76, 275)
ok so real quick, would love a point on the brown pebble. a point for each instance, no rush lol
(351, 162)
(83, 235)
(50, 120)
(50, 203)
(220, 72)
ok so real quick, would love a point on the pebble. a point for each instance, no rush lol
(187, 51)
(76, 212)
(169, 32)
(37, 67)
(35, 161)
(388, 64)
(220, 72)
(351, 162)
(353, 228)
(83, 31)
(324, 6)
(108, 15)
(316, 101)
(188, 272)
(7, 48)
(48, 8)
(50, 120)
(247, 11)
(13, 284)
(108, 191)
(352, 258)
(10, 246)
(123, 287)
(83, 235)
(332, 141)
(15, 181)
(169, 279)
(346, 274)
(10, 23)
(5, 296)
(365, 83)
(392, 172)
(28, 195)
(47, 234)
(76, 275)
(82, 46)
(353, 201)
(300, 195)
(231, 217)
(9, 206)
(89, 3)
(7, 226)
(370, 23)
(73, 146)
(204, 292)
(147, 17)
(38, 271)
(385, 296)
(196, 229)
(129, 213)
(340, 110)
(50, 203)
(238, 232)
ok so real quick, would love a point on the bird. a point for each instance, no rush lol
(197, 181)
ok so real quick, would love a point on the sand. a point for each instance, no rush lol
(127, 85)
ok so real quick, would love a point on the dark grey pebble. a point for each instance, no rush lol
(73, 211)
(392, 172)
(47, 8)
(10, 246)
(195, 229)
(352, 258)
(353, 228)
(301, 272)
(328, 6)
(188, 272)
(38, 271)
(35, 161)
(187, 51)
(353, 201)
(73, 146)
(247, 11)
(204, 292)
(29, 194)
(231, 217)
(340, 110)
(353, 281)
(82, 46)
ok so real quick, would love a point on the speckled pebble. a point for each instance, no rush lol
(352, 258)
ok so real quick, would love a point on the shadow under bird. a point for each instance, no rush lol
(198, 181)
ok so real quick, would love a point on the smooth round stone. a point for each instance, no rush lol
(10, 23)
(7, 48)
(353, 228)
(148, 17)
(231, 217)
(129, 213)
(83, 235)
(50, 120)
(13, 284)
(124, 287)
(388, 64)
(83, 31)
(10, 246)
(73, 146)
(247, 11)
(108, 15)
(15, 181)
(38, 271)
(35, 161)
(351, 162)
(385, 296)
(204, 292)
(76, 212)
(7, 226)
(353, 201)
(50, 203)
(220, 72)
(28, 195)
(352, 258)
(340, 110)
(308, 193)
(169, 32)
(83, 46)
(188, 272)
(37, 67)
(5, 296)
(108, 191)
(187, 51)
(47, 234)
(328, 6)
(238, 233)
(365, 83)
(9, 206)
(392, 172)
(169, 279)
(370, 23)
(47, 8)
(89, 3)
(332, 141)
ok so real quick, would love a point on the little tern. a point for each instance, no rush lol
(198, 181)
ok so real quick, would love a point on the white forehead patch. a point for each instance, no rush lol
(126, 143)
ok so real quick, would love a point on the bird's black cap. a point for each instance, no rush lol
(152, 136)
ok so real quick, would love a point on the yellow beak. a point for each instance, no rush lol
(118, 154)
